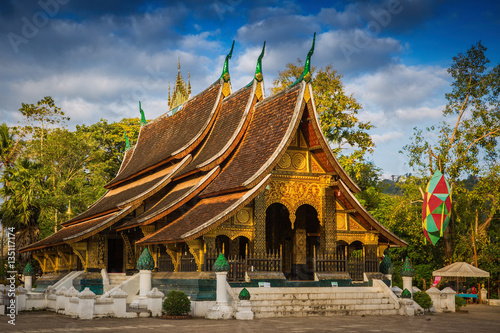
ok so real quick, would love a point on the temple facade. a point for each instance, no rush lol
(234, 172)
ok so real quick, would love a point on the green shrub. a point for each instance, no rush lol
(423, 299)
(459, 302)
(176, 304)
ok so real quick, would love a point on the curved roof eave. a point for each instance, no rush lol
(368, 217)
(332, 159)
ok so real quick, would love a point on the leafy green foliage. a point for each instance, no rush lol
(459, 302)
(176, 304)
(338, 113)
(423, 299)
(9, 146)
(46, 167)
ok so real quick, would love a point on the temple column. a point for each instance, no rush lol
(259, 245)
(329, 230)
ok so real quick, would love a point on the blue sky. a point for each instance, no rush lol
(98, 58)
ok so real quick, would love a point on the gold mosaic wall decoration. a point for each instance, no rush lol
(101, 250)
(354, 225)
(303, 142)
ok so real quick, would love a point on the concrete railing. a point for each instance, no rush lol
(67, 281)
(85, 304)
(131, 286)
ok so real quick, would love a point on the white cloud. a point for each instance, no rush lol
(397, 94)
(381, 138)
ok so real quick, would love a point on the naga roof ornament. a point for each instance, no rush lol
(225, 69)
(306, 74)
(143, 117)
(258, 68)
(127, 142)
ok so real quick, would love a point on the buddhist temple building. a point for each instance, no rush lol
(230, 171)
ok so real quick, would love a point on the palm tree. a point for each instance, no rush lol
(22, 189)
(9, 149)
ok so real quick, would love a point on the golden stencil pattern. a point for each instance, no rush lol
(293, 194)
(353, 225)
(244, 216)
(315, 167)
(341, 222)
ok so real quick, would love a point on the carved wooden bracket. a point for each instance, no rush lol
(52, 260)
(80, 249)
(172, 252)
(66, 258)
(196, 249)
(41, 260)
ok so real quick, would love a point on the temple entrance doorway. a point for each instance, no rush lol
(115, 255)
(279, 235)
(306, 240)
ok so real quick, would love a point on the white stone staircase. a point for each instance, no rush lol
(322, 301)
(116, 279)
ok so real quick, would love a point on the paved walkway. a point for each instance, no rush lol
(479, 318)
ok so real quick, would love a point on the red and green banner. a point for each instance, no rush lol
(436, 208)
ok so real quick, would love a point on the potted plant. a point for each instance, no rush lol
(177, 305)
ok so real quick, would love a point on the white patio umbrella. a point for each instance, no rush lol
(462, 269)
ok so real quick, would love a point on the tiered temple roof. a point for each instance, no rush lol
(195, 169)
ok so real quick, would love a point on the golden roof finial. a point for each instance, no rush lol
(189, 84)
(69, 212)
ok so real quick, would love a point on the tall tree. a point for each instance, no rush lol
(467, 138)
(22, 189)
(40, 116)
(338, 113)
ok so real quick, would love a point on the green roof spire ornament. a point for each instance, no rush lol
(258, 69)
(221, 264)
(406, 294)
(407, 270)
(306, 74)
(28, 270)
(225, 70)
(143, 117)
(127, 142)
(244, 295)
(146, 261)
(386, 265)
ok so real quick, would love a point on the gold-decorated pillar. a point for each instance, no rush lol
(329, 230)
(259, 245)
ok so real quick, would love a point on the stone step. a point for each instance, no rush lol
(344, 301)
(375, 312)
(321, 307)
(316, 296)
